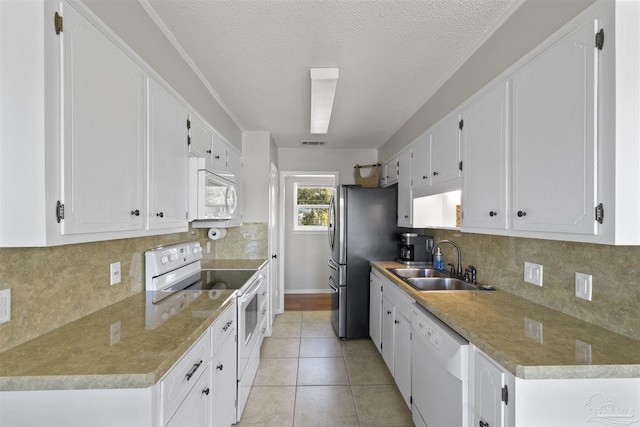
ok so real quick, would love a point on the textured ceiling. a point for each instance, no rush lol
(392, 55)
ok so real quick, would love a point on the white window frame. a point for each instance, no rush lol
(307, 228)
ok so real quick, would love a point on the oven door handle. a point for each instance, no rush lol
(252, 290)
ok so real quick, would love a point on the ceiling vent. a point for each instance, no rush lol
(312, 142)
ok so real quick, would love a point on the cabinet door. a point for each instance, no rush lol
(402, 357)
(484, 139)
(224, 382)
(553, 138)
(488, 381)
(195, 409)
(235, 168)
(200, 140)
(388, 335)
(219, 154)
(103, 136)
(421, 162)
(445, 150)
(404, 189)
(167, 146)
(375, 310)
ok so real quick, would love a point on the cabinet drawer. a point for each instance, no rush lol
(175, 385)
(223, 327)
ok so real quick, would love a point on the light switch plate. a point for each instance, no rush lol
(115, 273)
(533, 273)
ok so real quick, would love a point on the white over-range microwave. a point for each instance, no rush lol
(212, 197)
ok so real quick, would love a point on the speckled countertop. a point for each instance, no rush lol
(84, 355)
(499, 323)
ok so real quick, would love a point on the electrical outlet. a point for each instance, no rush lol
(5, 305)
(533, 273)
(114, 333)
(533, 329)
(583, 286)
(208, 247)
(115, 273)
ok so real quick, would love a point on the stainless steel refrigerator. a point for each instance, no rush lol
(362, 228)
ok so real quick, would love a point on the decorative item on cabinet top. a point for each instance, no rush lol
(368, 181)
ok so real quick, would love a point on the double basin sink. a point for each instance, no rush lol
(428, 279)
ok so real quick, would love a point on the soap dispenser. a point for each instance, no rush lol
(438, 263)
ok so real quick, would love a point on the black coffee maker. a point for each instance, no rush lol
(415, 249)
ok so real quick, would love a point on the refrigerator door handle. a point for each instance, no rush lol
(333, 265)
(332, 285)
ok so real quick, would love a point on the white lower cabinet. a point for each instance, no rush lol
(489, 390)
(195, 410)
(395, 338)
(499, 399)
(223, 368)
(375, 309)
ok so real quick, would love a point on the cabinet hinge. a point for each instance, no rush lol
(460, 165)
(460, 124)
(57, 23)
(505, 395)
(600, 39)
(59, 211)
(411, 399)
(600, 213)
(188, 132)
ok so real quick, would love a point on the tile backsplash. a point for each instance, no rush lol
(616, 274)
(53, 286)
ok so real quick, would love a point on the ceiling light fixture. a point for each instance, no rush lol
(323, 90)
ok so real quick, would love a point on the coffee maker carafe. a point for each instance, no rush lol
(415, 249)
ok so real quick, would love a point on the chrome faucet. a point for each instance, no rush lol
(459, 267)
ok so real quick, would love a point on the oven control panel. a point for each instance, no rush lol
(164, 259)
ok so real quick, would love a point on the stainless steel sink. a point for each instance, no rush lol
(409, 272)
(440, 284)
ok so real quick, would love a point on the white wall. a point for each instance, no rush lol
(257, 151)
(305, 253)
(326, 159)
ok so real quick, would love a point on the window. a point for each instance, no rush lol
(311, 207)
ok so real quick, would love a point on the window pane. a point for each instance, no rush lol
(313, 216)
(314, 195)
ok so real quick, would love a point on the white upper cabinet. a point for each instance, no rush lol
(167, 147)
(103, 132)
(484, 138)
(389, 173)
(445, 150)
(200, 138)
(554, 146)
(421, 161)
(405, 217)
(219, 155)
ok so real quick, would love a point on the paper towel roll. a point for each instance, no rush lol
(216, 233)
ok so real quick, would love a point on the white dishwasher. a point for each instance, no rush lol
(440, 372)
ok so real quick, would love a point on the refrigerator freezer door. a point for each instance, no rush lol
(338, 308)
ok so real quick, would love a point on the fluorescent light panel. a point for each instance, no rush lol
(323, 90)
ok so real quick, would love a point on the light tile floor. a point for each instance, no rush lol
(308, 377)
